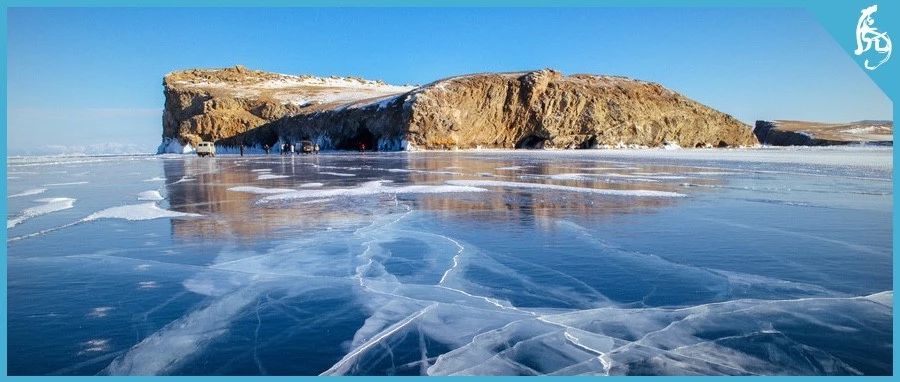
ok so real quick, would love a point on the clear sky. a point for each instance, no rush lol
(91, 78)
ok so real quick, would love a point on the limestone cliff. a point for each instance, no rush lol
(538, 109)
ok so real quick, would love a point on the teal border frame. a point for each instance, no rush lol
(838, 18)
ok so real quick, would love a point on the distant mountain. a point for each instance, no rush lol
(536, 109)
(108, 148)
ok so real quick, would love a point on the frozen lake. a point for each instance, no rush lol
(758, 261)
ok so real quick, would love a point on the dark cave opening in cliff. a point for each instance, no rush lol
(590, 143)
(531, 142)
(363, 137)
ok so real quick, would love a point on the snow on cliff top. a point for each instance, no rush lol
(240, 82)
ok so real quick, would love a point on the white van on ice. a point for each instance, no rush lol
(206, 149)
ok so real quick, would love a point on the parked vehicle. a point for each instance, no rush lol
(307, 147)
(206, 149)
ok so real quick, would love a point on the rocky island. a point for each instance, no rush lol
(805, 133)
(535, 109)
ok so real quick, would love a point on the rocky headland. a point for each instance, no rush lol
(804, 133)
(536, 109)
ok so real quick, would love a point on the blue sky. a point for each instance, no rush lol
(93, 76)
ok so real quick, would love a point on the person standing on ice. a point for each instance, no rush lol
(266, 148)
(242, 148)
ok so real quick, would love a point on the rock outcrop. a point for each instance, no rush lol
(802, 133)
(538, 109)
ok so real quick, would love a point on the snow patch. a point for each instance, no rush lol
(372, 188)
(497, 183)
(48, 205)
(174, 146)
(270, 176)
(144, 211)
(150, 195)
(32, 191)
(65, 184)
(336, 173)
(260, 190)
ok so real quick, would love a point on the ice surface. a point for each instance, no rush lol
(48, 205)
(687, 341)
(777, 263)
(100, 311)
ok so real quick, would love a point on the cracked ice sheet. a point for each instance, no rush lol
(432, 320)
(441, 318)
(428, 298)
(739, 337)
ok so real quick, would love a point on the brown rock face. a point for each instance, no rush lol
(539, 109)
(213, 113)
